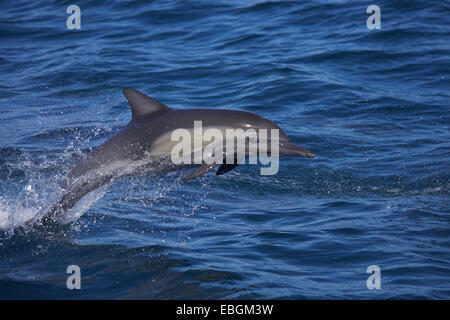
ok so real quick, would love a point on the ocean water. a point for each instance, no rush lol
(372, 104)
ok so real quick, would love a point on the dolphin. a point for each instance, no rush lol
(144, 145)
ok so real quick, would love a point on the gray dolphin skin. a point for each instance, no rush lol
(144, 146)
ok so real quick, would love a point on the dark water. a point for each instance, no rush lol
(373, 105)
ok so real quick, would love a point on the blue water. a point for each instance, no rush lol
(372, 104)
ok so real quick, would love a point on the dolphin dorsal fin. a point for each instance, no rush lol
(142, 104)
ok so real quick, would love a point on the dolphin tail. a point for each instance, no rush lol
(70, 198)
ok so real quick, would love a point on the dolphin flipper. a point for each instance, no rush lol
(224, 168)
(204, 168)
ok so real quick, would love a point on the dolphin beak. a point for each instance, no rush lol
(290, 149)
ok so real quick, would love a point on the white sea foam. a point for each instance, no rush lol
(16, 214)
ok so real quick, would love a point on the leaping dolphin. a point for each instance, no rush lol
(144, 146)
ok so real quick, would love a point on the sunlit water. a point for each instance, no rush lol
(373, 106)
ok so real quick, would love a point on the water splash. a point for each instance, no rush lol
(29, 184)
